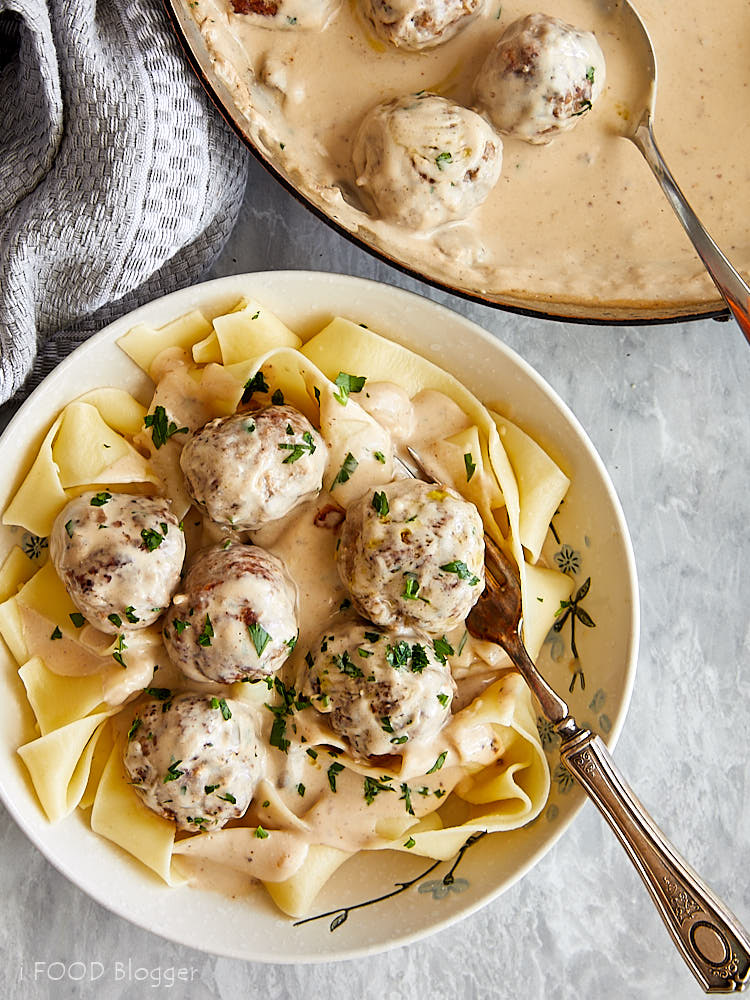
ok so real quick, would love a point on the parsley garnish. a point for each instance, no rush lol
(406, 796)
(151, 539)
(77, 618)
(398, 655)
(100, 499)
(443, 159)
(380, 504)
(221, 704)
(462, 643)
(300, 789)
(372, 636)
(204, 639)
(385, 723)
(379, 457)
(373, 787)
(346, 471)
(410, 842)
(439, 762)
(348, 383)
(298, 448)
(470, 466)
(161, 694)
(411, 587)
(312, 753)
(443, 698)
(120, 645)
(278, 398)
(179, 625)
(346, 666)
(442, 649)
(418, 658)
(115, 619)
(590, 74)
(260, 833)
(172, 773)
(137, 723)
(333, 770)
(161, 428)
(255, 384)
(131, 615)
(69, 527)
(399, 739)
(57, 634)
(228, 797)
(210, 788)
(291, 643)
(461, 570)
(260, 637)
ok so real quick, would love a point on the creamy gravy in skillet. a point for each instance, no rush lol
(579, 221)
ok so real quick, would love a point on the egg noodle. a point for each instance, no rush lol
(316, 805)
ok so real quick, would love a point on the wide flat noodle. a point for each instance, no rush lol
(120, 816)
(15, 572)
(59, 764)
(40, 497)
(144, 343)
(58, 701)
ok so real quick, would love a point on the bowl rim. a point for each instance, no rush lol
(545, 310)
(173, 305)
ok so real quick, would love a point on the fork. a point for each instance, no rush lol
(711, 940)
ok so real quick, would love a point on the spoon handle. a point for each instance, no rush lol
(712, 941)
(730, 283)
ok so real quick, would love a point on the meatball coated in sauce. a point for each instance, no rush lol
(252, 468)
(119, 557)
(413, 553)
(425, 161)
(419, 24)
(195, 759)
(235, 617)
(540, 79)
(381, 691)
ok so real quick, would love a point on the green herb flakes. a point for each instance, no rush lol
(161, 428)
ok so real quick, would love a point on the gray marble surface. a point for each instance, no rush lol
(667, 409)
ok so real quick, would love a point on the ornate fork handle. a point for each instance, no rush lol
(712, 941)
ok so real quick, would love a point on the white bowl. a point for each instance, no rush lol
(593, 542)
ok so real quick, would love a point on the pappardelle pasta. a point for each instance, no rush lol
(247, 654)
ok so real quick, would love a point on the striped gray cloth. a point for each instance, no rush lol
(119, 181)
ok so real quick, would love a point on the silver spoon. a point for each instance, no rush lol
(733, 288)
(711, 940)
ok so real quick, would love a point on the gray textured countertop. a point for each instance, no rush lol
(666, 407)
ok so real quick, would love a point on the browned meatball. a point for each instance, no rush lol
(249, 469)
(425, 161)
(540, 78)
(382, 691)
(235, 617)
(195, 759)
(419, 24)
(413, 553)
(119, 557)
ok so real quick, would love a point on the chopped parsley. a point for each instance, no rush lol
(461, 570)
(260, 637)
(152, 539)
(418, 658)
(210, 788)
(228, 797)
(69, 527)
(300, 789)
(260, 833)
(207, 634)
(161, 694)
(57, 634)
(462, 643)
(137, 723)
(380, 504)
(443, 159)
(379, 457)
(172, 773)
(179, 625)
(590, 74)
(470, 466)
(372, 636)
(385, 723)
(100, 499)
(364, 653)
(439, 762)
(348, 383)
(373, 787)
(333, 770)
(346, 666)
(131, 615)
(346, 471)
(291, 643)
(312, 753)
(410, 842)
(298, 448)
(161, 428)
(278, 398)
(442, 648)
(255, 384)
(406, 796)
(399, 740)
(221, 705)
(398, 655)
(585, 106)
(120, 645)
(115, 619)
(411, 587)
(443, 698)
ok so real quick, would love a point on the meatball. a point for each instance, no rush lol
(382, 691)
(252, 468)
(235, 618)
(287, 14)
(119, 557)
(195, 759)
(424, 160)
(540, 78)
(413, 553)
(419, 24)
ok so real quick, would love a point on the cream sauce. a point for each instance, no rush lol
(580, 221)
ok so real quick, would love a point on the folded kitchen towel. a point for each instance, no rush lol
(119, 181)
